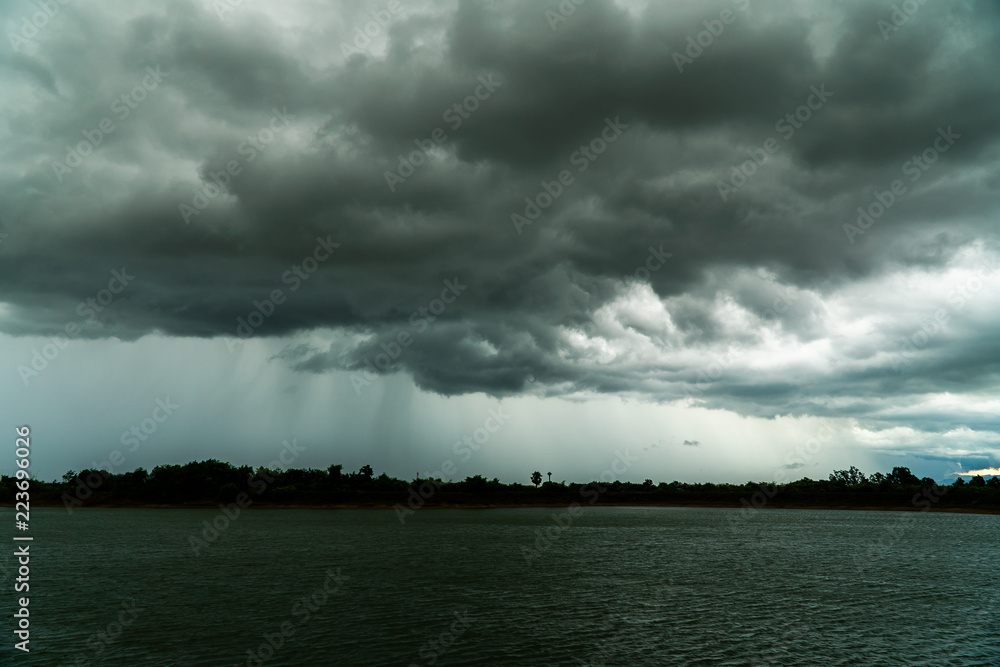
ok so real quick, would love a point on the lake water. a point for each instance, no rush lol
(616, 586)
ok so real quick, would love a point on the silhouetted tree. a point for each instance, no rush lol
(901, 476)
(202, 482)
(851, 477)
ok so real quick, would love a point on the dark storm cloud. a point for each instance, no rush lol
(579, 299)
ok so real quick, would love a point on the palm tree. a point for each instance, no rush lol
(536, 478)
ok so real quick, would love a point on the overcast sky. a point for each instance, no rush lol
(733, 239)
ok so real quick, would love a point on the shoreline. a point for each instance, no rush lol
(479, 506)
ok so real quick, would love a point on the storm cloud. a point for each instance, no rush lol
(781, 208)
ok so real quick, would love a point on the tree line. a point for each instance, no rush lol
(210, 482)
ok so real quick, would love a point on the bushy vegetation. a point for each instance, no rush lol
(211, 482)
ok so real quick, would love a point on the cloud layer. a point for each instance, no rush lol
(647, 199)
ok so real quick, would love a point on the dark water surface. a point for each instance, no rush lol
(617, 586)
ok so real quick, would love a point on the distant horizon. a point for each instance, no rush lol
(985, 474)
